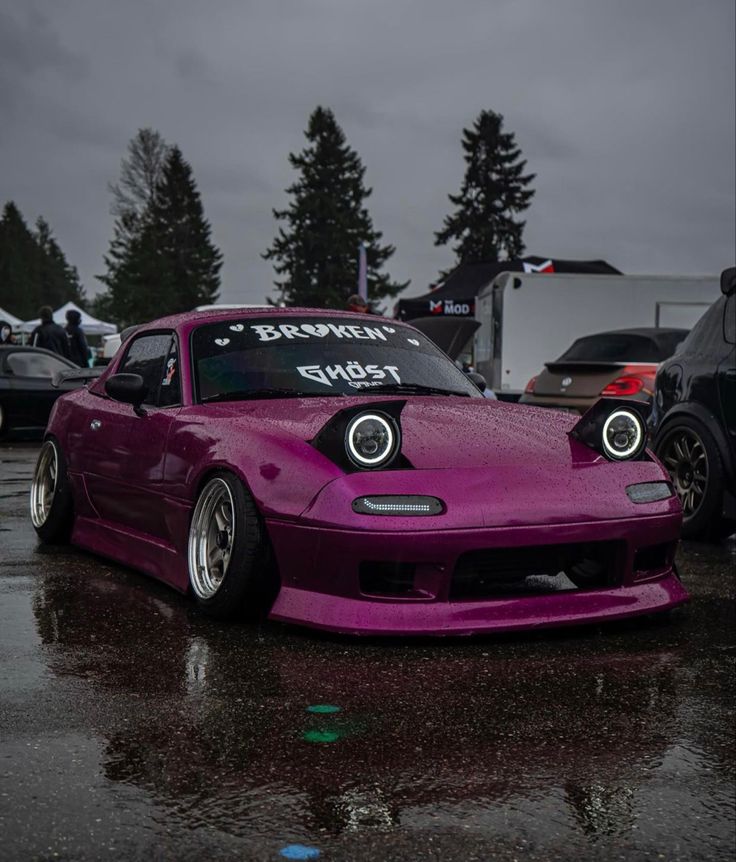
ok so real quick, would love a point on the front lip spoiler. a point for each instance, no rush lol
(461, 618)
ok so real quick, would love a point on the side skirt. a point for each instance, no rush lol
(153, 557)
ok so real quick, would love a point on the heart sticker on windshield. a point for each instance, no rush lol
(222, 341)
(237, 327)
(413, 341)
(319, 330)
(389, 329)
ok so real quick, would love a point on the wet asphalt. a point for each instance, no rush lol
(132, 727)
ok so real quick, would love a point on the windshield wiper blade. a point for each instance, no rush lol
(265, 392)
(411, 389)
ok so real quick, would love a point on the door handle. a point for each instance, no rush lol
(95, 425)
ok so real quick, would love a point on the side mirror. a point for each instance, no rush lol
(128, 388)
(478, 379)
(728, 281)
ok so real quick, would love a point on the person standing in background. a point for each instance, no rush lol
(78, 348)
(357, 303)
(6, 332)
(50, 335)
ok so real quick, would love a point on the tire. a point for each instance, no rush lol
(691, 457)
(3, 421)
(227, 549)
(52, 506)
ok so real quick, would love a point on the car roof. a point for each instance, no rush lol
(189, 318)
(29, 348)
(662, 336)
(645, 331)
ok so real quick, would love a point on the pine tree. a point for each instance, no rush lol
(166, 261)
(59, 281)
(140, 173)
(316, 251)
(33, 269)
(494, 190)
(132, 200)
(20, 265)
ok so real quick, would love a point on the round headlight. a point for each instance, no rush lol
(623, 435)
(371, 440)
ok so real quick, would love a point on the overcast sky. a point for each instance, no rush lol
(624, 110)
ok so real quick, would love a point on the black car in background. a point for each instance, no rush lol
(694, 419)
(26, 391)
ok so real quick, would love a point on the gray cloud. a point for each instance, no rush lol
(625, 111)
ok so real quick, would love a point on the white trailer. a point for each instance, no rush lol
(528, 319)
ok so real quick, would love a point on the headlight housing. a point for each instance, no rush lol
(623, 435)
(364, 437)
(614, 427)
(371, 440)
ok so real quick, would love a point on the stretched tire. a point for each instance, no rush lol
(227, 548)
(52, 506)
(690, 455)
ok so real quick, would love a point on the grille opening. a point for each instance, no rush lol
(539, 570)
(388, 578)
(652, 558)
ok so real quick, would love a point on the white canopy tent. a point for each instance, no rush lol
(14, 321)
(90, 325)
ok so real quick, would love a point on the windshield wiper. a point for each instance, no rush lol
(411, 389)
(265, 392)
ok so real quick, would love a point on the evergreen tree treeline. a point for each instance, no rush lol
(161, 259)
(316, 251)
(33, 268)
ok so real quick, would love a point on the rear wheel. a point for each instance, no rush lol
(690, 455)
(226, 548)
(52, 508)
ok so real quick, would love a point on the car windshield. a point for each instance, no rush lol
(623, 347)
(311, 356)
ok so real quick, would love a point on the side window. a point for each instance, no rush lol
(729, 319)
(29, 364)
(147, 356)
(170, 381)
(707, 333)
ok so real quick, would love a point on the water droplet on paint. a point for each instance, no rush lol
(299, 851)
(323, 709)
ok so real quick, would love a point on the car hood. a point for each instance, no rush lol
(437, 432)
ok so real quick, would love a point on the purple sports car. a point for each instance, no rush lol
(340, 468)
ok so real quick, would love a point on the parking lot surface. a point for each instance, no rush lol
(133, 727)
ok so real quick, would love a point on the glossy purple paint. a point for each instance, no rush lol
(510, 477)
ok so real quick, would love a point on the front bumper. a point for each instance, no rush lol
(321, 585)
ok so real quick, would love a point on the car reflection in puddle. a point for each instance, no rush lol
(500, 736)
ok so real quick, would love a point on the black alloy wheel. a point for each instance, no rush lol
(690, 455)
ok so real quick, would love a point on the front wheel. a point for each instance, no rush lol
(52, 507)
(690, 455)
(226, 547)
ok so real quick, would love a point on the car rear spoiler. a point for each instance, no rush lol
(577, 364)
(74, 374)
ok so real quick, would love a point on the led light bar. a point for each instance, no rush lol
(404, 504)
(649, 492)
